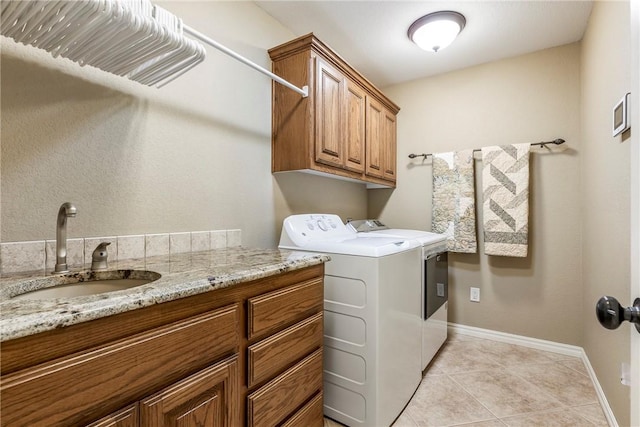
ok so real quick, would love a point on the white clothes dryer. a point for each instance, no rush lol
(434, 283)
(372, 318)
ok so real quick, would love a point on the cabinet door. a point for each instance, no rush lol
(127, 417)
(375, 120)
(381, 141)
(354, 127)
(389, 146)
(207, 399)
(329, 94)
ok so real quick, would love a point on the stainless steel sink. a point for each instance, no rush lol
(91, 283)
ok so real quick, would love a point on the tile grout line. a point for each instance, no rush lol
(472, 396)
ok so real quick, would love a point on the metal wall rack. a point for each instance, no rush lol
(130, 38)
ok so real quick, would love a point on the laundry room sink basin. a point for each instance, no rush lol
(84, 284)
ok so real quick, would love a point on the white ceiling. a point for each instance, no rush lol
(372, 35)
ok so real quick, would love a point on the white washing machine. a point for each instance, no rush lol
(434, 279)
(372, 318)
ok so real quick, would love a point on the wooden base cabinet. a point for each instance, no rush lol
(249, 354)
(345, 127)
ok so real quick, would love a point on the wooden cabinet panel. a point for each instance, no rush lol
(273, 402)
(329, 147)
(389, 147)
(206, 399)
(116, 374)
(310, 415)
(375, 120)
(283, 307)
(272, 355)
(381, 141)
(354, 127)
(127, 417)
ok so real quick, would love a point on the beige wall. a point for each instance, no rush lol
(529, 98)
(194, 155)
(579, 229)
(605, 193)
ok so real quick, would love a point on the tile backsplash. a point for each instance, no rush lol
(17, 257)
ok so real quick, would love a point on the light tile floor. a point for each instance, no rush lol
(481, 383)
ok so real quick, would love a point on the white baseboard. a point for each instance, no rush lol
(544, 345)
(604, 403)
(538, 344)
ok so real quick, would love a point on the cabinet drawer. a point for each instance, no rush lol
(276, 309)
(82, 387)
(310, 415)
(275, 353)
(277, 399)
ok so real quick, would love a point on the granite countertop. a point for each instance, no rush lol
(183, 275)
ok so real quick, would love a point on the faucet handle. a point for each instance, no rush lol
(99, 257)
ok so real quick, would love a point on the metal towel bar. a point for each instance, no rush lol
(542, 144)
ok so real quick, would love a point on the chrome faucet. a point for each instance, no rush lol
(99, 257)
(67, 210)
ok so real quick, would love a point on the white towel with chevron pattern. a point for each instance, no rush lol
(505, 208)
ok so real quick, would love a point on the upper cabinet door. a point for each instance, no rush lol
(381, 141)
(329, 93)
(355, 127)
(375, 121)
(389, 146)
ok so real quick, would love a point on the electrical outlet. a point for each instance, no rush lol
(474, 294)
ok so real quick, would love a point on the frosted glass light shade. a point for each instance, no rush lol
(435, 31)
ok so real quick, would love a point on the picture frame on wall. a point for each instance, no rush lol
(621, 115)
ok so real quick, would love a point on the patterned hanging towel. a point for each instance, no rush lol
(453, 204)
(505, 208)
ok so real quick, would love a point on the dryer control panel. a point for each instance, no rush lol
(366, 225)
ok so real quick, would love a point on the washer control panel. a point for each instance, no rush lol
(301, 229)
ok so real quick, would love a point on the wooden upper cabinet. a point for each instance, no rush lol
(330, 131)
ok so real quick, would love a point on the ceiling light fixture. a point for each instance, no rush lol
(437, 30)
